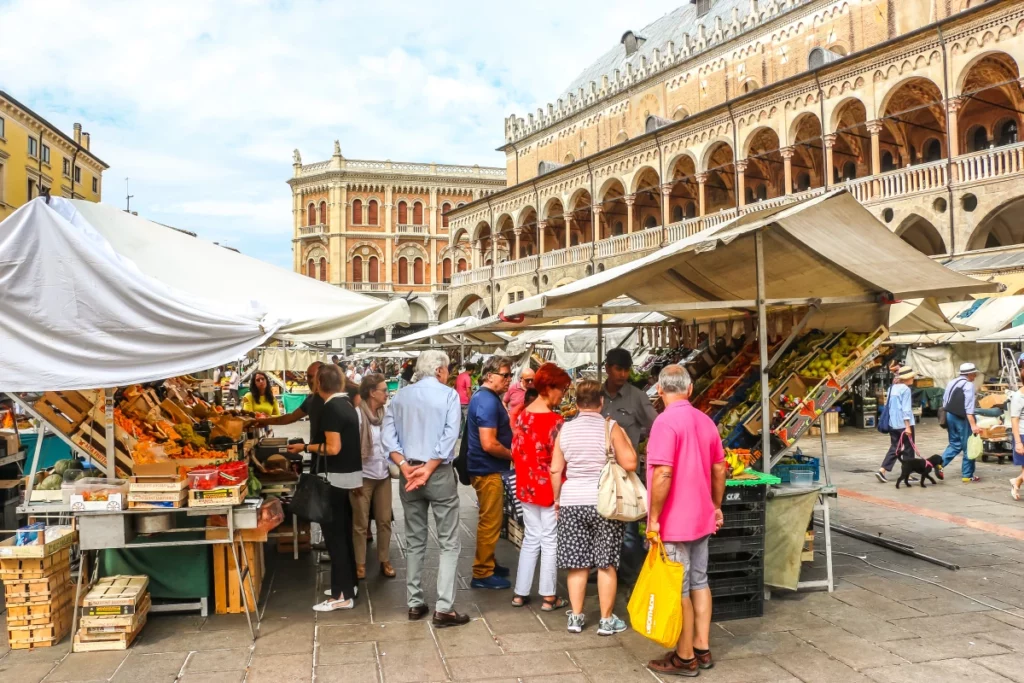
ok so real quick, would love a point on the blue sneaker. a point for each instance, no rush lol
(493, 582)
(501, 571)
(611, 626)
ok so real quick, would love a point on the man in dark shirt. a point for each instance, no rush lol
(489, 437)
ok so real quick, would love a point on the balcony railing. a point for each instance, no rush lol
(988, 164)
(411, 229)
(307, 230)
(516, 267)
(370, 286)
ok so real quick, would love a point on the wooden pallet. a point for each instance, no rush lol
(118, 623)
(119, 641)
(27, 591)
(66, 410)
(114, 595)
(35, 567)
(91, 436)
(227, 596)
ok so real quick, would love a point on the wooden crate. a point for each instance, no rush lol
(84, 642)
(35, 567)
(115, 595)
(42, 613)
(58, 541)
(118, 623)
(285, 542)
(808, 552)
(66, 410)
(91, 436)
(41, 635)
(23, 591)
(227, 595)
(218, 497)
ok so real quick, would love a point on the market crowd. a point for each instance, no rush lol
(429, 435)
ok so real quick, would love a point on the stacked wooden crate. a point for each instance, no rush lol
(38, 593)
(113, 613)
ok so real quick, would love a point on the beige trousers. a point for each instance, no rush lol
(375, 492)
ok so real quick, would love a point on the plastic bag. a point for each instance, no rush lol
(656, 607)
(975, 447)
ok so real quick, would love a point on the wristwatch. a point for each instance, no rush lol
(402, 464)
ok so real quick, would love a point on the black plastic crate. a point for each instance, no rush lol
(743, 517)
(738, 582)
(730, 562)
(731, 607)
(720, 545)
(744, 494)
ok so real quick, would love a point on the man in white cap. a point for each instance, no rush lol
(958, 402)
(901, 420)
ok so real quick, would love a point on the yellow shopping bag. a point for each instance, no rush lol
(656, 606)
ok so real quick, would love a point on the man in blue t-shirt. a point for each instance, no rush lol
(489, 438)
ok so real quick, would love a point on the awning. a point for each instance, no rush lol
(467, 330)
(279, 359)
(987, 316)
(94, 297)
(828, 248)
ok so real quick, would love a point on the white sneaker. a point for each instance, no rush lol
(576, 621)
(331, 605)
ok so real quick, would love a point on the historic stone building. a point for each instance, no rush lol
(36, 157)
(724, 107)
(381, 227)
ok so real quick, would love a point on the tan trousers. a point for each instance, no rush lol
(375, 492)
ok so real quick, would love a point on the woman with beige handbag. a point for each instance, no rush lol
(586, 539)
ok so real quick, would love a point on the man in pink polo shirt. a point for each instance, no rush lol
(686, 479)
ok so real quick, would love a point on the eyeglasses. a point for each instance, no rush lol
(506, 375)
(528, 381)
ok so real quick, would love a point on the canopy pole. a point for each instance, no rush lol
(108, 416)
(600, 348)
(762, 343)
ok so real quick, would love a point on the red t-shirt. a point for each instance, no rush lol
(464, 386)
(532, 445)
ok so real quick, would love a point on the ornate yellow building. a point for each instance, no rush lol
(36, 157)
(723, 107)
(381, 227)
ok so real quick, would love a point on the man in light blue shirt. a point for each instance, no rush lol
(958, 402)
(419, 432)
(901, 421)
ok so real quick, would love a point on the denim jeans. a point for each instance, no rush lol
(959, 431)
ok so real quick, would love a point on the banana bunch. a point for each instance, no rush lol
(736, 464)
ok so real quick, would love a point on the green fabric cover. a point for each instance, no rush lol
(176, 573)
(292, 401)
(786, 521)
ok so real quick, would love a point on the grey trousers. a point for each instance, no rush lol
(441, 492)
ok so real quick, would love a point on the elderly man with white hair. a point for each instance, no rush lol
(419, 431)
(686, 476)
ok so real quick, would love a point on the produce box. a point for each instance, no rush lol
(96, 493)
(115, 595)
(66, 410)
(35, 567)
(91, 436)
(105, 642)
(117, 623)
(47, 634)
(19, 591)
(60, 537)
(156, 484)
(219, 496)
(35, 614)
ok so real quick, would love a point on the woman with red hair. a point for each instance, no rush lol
(537, 427)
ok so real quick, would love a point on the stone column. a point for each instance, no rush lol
(953, 136)
(741, 182)
(630, 200)
(388, 331)
(875, 129)
(518, 232)
(830, 142)
(702, 178)
(542, 227)
(666, 198)
(595, 223)
(787, 163)
(388, 237)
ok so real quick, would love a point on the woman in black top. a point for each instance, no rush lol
(338, 455)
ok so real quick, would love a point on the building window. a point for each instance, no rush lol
(417, 214)
(803, 182)
(511, 297)
(1008, 133)
(357, 269)
(310, 268)
(357, 212)
(46, 153)
(311, 214)
(932, 150)
(403, 271)
(95, 185)
(323, 269)
(978, 139)
(372, 211)
(417, 271)
(78, 174)
(1, 127)
(33, 147)
(374, 270)
(67, 168)
(31, 188)
(677, 214)
(323, 213)
(463, 265)
(849, 170)
(446, 270)
(1, 183)
(445, 208)
(703, 6)
(403, 213)
(887, 162)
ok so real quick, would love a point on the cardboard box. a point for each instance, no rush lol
(11, 442)
(64, 538)
(116, 501)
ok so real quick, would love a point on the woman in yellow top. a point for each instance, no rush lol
(260, 398)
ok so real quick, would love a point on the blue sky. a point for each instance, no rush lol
(200, 103)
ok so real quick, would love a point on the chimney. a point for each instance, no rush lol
(85, 141)
(78, 133)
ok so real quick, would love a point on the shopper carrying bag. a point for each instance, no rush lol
(621, 495)
(655, 609)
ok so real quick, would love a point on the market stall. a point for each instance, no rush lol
(825, 264)
(100, 309)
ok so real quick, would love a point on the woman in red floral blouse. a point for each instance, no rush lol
(536, 427)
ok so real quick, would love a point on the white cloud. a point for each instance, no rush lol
(201, 103)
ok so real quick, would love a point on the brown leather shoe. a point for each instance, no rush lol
(704, 660)
(442, 620)
(672, 665)
(418, 612)
(387, 570)
(360, 571)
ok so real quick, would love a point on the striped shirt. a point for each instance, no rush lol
(583, 444)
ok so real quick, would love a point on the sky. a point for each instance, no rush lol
(200, 103)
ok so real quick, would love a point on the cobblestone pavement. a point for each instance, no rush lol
(877, 626)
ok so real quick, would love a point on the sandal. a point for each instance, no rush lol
(520, 600)
(673, 665)
(553, 602)
(1014, 489)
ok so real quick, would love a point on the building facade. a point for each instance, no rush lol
(381, 227)
(724, 107)
(36, 157)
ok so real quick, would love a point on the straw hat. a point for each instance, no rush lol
(906, 372)
(967, 368)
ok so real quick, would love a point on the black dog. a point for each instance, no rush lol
(921, 467)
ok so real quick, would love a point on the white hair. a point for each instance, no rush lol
(674, 379)
(429, 362)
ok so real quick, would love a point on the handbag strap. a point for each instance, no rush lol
(609, 450)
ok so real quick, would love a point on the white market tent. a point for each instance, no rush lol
(95, 297)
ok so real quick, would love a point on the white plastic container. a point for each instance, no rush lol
(801, 479)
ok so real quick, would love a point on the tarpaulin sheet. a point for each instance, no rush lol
(786, 521)
(278, 359)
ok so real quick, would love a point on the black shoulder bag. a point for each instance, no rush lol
(462, 459)
(312, 498)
